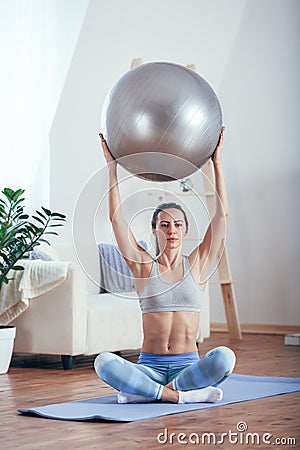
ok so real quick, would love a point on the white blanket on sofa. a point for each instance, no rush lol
(37, 278)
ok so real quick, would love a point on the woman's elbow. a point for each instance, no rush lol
(224, 211)
(221, 215)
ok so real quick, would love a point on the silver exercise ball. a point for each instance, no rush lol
(161, 121)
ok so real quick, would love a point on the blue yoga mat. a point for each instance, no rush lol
(237, 388)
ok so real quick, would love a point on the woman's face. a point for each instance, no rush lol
(170, 229)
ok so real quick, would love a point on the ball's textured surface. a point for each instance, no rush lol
(164, 118)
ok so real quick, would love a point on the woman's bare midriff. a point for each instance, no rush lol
(170, 333)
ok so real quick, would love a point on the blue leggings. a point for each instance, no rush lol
(186, 371)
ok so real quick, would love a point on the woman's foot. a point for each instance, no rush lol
(209, 394)
(124, 397)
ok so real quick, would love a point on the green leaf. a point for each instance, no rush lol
(17, 194)
(23, 216)
(3, 255)
(11, 233)
(16, 215)
(18, 268)
(44, 240)
(38, 219)
(40, 214)
(19, 201)
(33, 228)
(8, 193)
(54, 214)
(47, 211)
(17, 209)
(2, 201)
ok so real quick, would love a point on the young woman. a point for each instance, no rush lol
(170, 289)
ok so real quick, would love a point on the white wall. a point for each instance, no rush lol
(248, 51)
(37, 41)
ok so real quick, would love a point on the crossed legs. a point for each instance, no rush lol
(196, 382)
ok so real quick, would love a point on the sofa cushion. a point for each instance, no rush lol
(38, 254)
(114, 322)
(115, 275)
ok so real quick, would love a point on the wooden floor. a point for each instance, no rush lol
(39, 380)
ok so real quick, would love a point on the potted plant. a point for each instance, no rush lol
(19, 235)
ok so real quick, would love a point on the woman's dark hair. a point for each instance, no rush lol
(165, 206)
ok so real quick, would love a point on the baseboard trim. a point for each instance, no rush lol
(258, 328)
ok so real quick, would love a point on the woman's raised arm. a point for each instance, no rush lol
(127, 244)
(208, 248)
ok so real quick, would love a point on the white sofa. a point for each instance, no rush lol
(70, 321)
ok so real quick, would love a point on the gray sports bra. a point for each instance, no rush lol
(159, 295)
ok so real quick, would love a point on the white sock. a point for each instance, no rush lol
(124, 397)
(209, 394)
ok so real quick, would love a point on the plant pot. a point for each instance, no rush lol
(7, 337)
